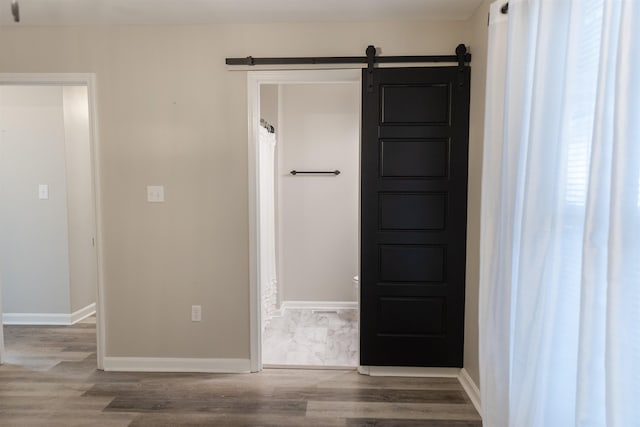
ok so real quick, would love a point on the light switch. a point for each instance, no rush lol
(155, 193)
(43, 191)
(196, 313)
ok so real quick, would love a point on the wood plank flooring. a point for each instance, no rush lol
(50, 379)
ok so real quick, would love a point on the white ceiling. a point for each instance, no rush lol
(98, 12)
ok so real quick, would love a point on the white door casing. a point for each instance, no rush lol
(88, 80)
(254, 80)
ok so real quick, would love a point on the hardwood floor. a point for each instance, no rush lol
(50, 379)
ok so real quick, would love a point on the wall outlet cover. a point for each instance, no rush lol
(43, 191)
(196, 313)
(155, 193)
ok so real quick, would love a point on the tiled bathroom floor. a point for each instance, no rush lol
(307, 338)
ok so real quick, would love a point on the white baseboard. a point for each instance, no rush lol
(471, 388)
(83, 313)
(167, 364)
(36, 319)
(405, 371)
(278, 312)
(309, 367)
(52, 319)
(319, 305)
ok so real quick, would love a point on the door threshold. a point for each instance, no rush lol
(308, 367)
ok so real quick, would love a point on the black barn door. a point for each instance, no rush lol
(415, 129)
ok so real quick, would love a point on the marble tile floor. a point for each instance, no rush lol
(310, 338)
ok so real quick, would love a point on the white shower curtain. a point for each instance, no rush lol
(560, 240)
(267, 235)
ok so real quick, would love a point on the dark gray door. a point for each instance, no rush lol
(415, 137)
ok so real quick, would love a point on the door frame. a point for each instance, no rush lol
(88, 80)
(254, 80)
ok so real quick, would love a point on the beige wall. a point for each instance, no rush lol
(170, 112)
(34, 257)
(269, 104)
(80, 205)
(318, 215)
(478, 48)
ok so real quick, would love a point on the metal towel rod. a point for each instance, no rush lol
(335, 172)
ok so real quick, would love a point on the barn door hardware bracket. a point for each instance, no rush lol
(371, 60)
(461, 53)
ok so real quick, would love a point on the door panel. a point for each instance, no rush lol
(418, 158)
(411, 316)
(413, 211)
(415, 126)
(416, 263)
(420, 104)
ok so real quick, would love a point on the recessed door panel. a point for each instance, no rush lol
(413, 211)
(411, 316)
(411, 263)
(423, 104)
(418, 158)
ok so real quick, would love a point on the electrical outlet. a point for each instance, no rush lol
(155, 193)
(43, 191)
(196, 313)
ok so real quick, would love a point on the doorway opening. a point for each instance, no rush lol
(304, 150)
(49, 251)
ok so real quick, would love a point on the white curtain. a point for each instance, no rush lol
(560, 241)
(267, 235)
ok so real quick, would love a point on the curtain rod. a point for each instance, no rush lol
(461, 57)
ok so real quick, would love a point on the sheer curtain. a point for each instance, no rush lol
(560, 241)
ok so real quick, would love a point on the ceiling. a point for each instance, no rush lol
(107, 12)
